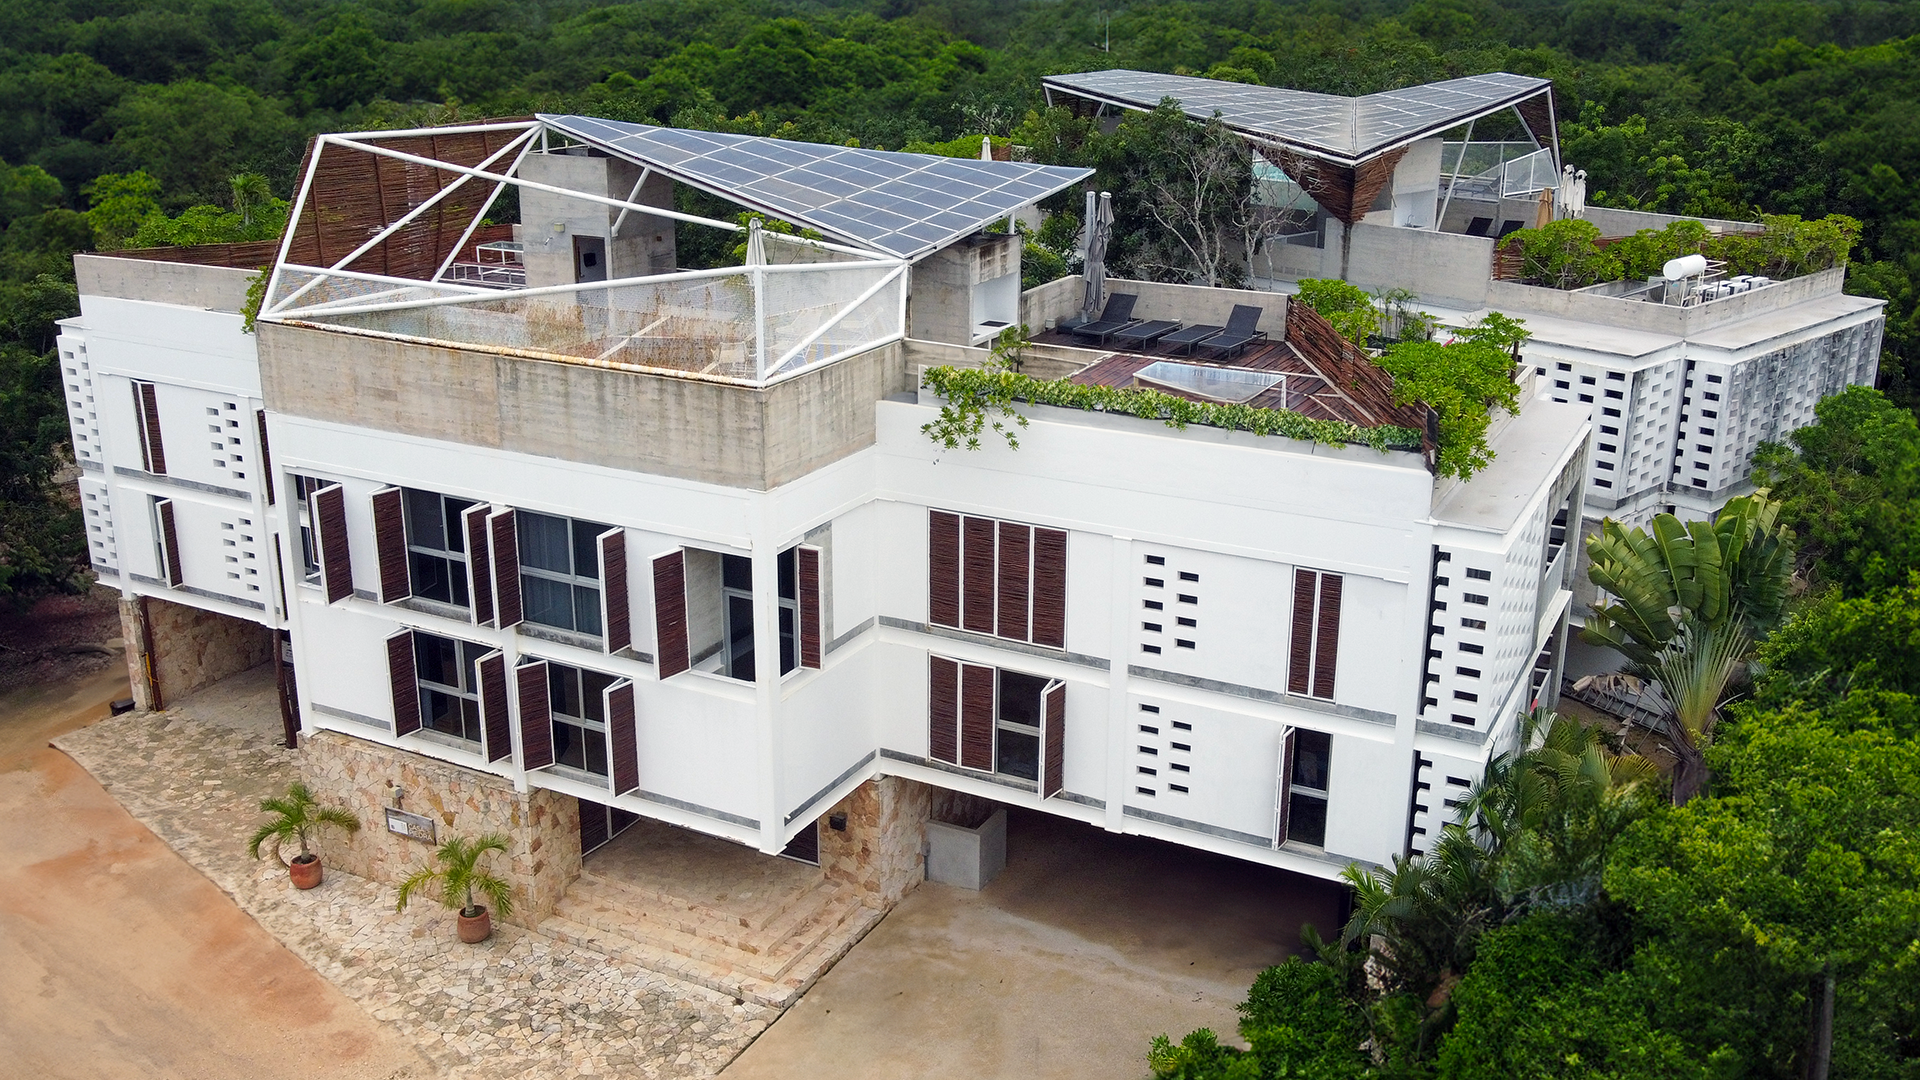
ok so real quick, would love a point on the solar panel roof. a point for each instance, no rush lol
(1327, 125)
(905, 205)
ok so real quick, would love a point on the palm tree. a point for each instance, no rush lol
(250, 193)
(297, 817)
(1690, 600)
(458, 876)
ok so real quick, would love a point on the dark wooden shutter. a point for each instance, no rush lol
(670, 613)
(613, 591)
(266, 456)
(1306, 585)
(330, 527)
(405, 683)
(169, 543)
(495, 722)
(625, 752)
(976, 717)
(1284, 794)
(943, 712)
(594, 829)
(976, 574)
(504, 541)
(1326, 648)
(806, 566)
(536, 721)
(1013, 582)
(1050, 588)
(473, 524)
(153, 451)
(943, 568)
(390, 544)
(1053, 738)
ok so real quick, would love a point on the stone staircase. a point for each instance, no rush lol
(769, 953)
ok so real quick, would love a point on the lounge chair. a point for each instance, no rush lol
(1240, 331)
(1185, 340)
(1144, 334)
(1117, 316)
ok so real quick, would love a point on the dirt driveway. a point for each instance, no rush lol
(117, 959)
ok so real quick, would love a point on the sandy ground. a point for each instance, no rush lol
(1087, 946)
(117, 959)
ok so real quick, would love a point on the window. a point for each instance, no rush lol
(1153, 605)
(1463, 695)
(736, 590)
(1610, 412)
(1609, 447)
(1468, 646)
(1563, 367)
(303, 489)
(1189, 576)
(1705, 431)
(1709, 414)
(1587, 398)
(1615, 394)
(1586, 380)
(436, 546)
(1606, 465)
(1152, 627)
(560, 572)
(577, 704)
(1307, 792)
(1714, 378)
(1603, 483)
(1712, 397)
(1474, 598)
(1615, 376)
(449, 685)
(1474, 624)
(1480, 575)
(1609, 430)
(998, 577)
(1155, 583)
(1007, 722)
(1156, 560)
(1471, 673)
(1315, 639)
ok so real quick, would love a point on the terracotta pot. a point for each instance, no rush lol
(305, 874)
(475, 929)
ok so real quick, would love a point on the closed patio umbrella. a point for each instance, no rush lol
(1099, 231)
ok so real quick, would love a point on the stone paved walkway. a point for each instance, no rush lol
(521, 1005)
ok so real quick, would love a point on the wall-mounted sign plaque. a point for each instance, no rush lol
(412, 826)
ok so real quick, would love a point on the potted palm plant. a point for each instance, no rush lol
(457, 875)
(296, 818)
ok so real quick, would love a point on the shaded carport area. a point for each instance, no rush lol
(1066, 965)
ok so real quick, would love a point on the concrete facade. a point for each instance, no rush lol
(174, 649)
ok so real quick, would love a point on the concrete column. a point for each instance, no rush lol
(1119, 719)
(766, 676)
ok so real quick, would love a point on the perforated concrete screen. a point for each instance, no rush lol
(1343, 128)
(905, 205)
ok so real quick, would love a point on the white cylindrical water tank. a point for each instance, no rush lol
(1685, 266)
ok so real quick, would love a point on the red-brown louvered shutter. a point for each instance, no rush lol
(504, 541)
(613, 581)
(330, 520)
(806, 565)
(1306, 586)
(976, 574)
(405, 683)
(670, 613)
(153, 451)
(266, 456)
(169, 543)
(1284, 793)
(473, 525)
(495, 722)
(1013, 582)
(976, 717)
(1050, 588)
(536, 722)
(1326, 648)
(943, 568)
(625, 751)
(943, 712)
(390, 544)
(1053, 738)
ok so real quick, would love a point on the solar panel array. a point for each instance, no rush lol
(1349, 129)
(905, 205)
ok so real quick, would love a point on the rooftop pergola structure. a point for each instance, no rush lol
(1340, 150)
(382, 217)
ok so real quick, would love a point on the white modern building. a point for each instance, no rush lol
(548, 522)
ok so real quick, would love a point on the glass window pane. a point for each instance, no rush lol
(596, 751)
(547, 602)
(569, 745)
(436, 660)
(586, 555)
(457, 581)
(563, 689)
(740, 636)
(544, 543)
(789, 655)
(1307, 819)
(736, 572)
(430, 577)
(586, 609)
(440, 711)
(789, 587)
(424, 525)
(1311, 751)
(593, 685)
(456, 535)
(1019, 755)
(1020, 698)
(470, 719)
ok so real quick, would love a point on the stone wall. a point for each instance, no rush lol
(543, 827)
(188, 649)
(882, 853)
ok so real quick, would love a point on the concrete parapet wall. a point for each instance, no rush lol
(667, 425)
(1190, 304)
(882, 853)
(543, 827)
(1612, 222)
(1039, 361)
(1510, 296)
(214, 288)
(178, 649)
(1439, 267)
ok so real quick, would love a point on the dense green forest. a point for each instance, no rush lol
(129, 122)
